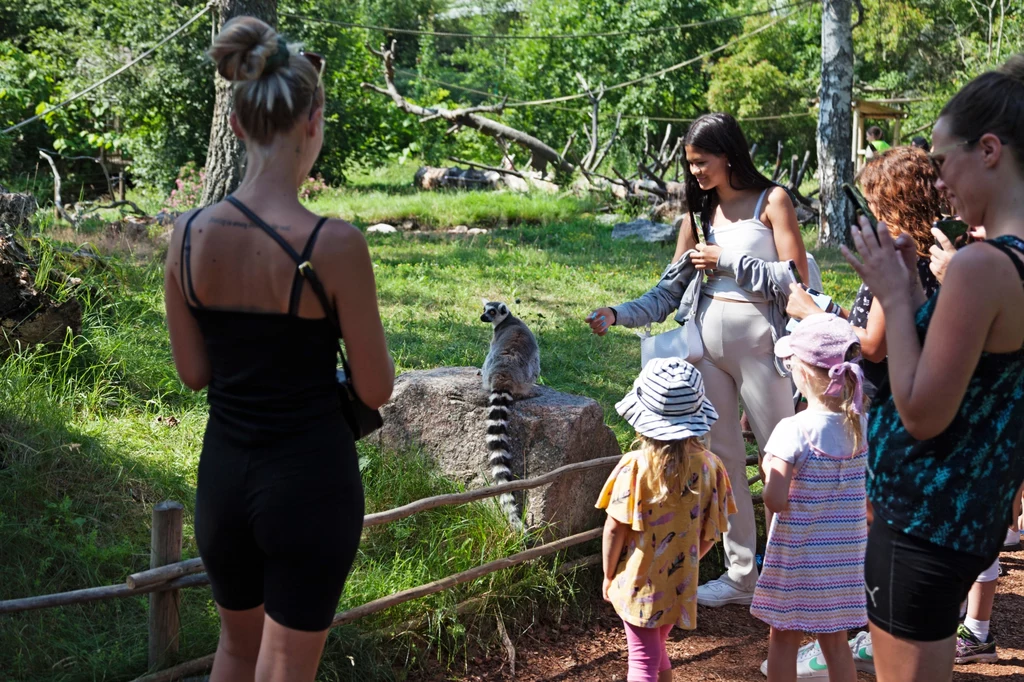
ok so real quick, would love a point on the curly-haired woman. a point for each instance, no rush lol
(899, 185)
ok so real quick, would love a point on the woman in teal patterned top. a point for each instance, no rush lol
(947, 435)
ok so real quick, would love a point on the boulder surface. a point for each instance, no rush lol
(442, 412)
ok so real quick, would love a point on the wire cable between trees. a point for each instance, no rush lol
(113, 75)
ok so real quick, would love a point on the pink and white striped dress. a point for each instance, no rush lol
(813, 574)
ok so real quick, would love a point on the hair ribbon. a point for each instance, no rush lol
(837, 381)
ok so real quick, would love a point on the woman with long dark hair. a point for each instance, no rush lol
(741, 215)
(279, 501)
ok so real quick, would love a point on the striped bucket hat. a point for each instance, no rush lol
(667, 401)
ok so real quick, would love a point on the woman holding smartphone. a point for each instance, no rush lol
(739, 212)
(952, 414)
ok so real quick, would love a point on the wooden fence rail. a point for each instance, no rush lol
(167, 574)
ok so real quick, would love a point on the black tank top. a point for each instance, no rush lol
(271, 373)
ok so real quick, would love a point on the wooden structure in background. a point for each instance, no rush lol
(877, 109)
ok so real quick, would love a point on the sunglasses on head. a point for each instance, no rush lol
(319, 62)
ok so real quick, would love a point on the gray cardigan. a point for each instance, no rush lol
(680, 287)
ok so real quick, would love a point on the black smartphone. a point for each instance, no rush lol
(860, 205)
(952, 228)
(796, 272)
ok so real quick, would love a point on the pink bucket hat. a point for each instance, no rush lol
(823, 341)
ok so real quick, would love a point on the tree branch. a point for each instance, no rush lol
(604, 151)
(56, 190)
(542, 154)
(482, 166)
(116, 204)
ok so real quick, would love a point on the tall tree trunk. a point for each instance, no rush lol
(835, 157)
(225, 157)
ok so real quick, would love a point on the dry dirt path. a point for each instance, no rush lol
(728, 645)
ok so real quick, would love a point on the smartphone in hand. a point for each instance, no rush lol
(860, 205)
(952, 228)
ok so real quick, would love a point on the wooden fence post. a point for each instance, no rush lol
(163, 606)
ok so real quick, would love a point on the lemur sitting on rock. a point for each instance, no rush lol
(510, 372)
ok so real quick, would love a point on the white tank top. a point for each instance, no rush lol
(750, 237)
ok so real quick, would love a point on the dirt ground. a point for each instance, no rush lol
(728, 644)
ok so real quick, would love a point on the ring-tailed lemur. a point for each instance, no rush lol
(509, 372)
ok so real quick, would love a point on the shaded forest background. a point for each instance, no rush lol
(157, 115)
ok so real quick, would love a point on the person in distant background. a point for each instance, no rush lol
(876, 145)
(920, 143)
(875, 139)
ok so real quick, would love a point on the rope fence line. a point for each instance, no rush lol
(118, 72)
(554, 36)
(655, 74)
(659, 72)
(514, 103)
(667, 119)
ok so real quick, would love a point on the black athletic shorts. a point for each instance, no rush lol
(914, 587)
(279, 523)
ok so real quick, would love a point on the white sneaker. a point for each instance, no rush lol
(863, 652)
(1012, 541)
(810, 664)
(715, 593)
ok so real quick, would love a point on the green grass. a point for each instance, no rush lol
(86, 446)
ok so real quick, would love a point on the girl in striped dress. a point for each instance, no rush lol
(813, 575)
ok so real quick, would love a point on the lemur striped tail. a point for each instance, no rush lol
(498, 448)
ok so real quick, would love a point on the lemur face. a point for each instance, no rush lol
(494, 312)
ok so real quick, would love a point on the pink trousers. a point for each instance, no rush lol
(647, 655)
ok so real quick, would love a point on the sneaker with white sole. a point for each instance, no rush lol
(863, 652)
(810, 663)
(715, 593)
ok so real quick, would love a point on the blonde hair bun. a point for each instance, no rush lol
(243, 47)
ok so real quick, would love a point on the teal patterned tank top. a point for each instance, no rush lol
(955, 490)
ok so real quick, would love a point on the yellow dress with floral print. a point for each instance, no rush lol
(656, 579)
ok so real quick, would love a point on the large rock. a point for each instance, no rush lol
(645, 230)
(442, 412)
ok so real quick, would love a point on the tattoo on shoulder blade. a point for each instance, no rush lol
(244, 225)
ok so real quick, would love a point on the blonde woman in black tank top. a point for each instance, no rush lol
(279, 503)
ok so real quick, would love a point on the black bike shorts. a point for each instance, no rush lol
(279, 524)
(914, 587)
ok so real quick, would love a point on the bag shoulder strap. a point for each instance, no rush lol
(307, 253)
(760, 203)
(305, 268)
(259, 222)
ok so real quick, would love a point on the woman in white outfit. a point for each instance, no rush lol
(738, 212)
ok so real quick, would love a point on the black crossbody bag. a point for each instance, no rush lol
(362, 419)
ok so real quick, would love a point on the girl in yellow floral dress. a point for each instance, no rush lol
(667, 503)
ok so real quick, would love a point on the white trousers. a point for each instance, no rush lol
(739, 363)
